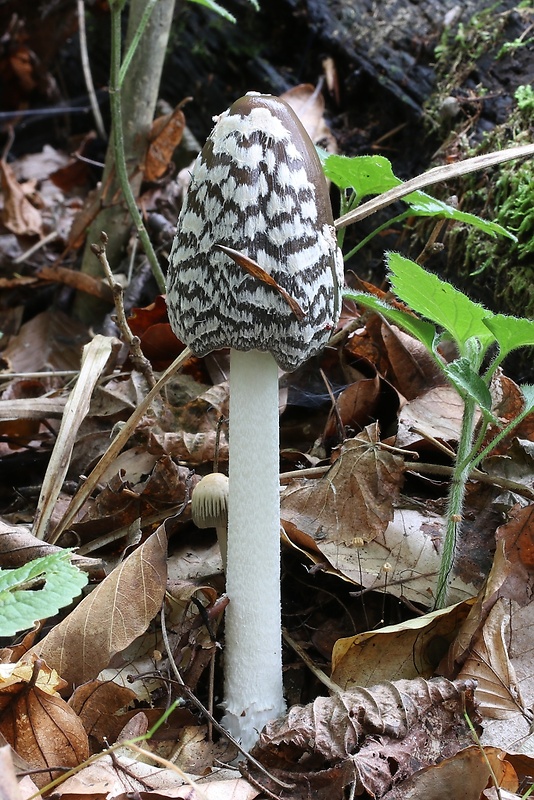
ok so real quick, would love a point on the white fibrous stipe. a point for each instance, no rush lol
(258, 188)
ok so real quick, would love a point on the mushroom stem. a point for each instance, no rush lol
(253, 659)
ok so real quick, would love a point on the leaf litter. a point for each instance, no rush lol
(362, 521)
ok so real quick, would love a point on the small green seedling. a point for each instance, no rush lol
(475, 330)
(23, 597)
(446, 314)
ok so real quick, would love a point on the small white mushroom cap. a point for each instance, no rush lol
(209, 507)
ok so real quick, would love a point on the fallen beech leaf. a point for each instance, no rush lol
(165, 136)
(309, 105)
(374, 738)
(124, 777)
(436, 413)
(410, 649)
(42, 728)
(18, 215)
(97, 704)
(415, 370)
(354, 499)
(488, 663)
(408, 545)
(467, 770)
(112, 616)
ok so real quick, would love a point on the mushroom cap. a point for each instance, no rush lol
(258, 188)
(209, 501)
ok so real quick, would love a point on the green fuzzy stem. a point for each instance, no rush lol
(459, 480)
(118, 146)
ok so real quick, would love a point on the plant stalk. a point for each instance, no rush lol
(120, 157)
(460, 476)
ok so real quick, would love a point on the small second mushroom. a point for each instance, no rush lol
(255, 267)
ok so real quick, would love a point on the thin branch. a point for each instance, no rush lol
(435, 175)
(139, 360)
(86, 67)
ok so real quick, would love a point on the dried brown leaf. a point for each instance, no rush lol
(39, 724)
(11, 789)
(374, 737)
(436, 413)
(308, 103)
(18, 214)
(97, 704)
(112, 616)
(410, 649)
(165, 136)
(467, 770)
(354, 499)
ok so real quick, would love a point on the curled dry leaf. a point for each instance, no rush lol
(165, 135)
(374, 737)
(38, 723)
(112, 616)
(354, 499)
(308, 103)
(410, 649)
(18, 214)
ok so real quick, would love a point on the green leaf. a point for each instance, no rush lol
(511, 332)
(365, 174)
(423, 205)
(373, 175)
(422, 330)
(439, 302)
(213, 6)
(21, 607)
(468, 382)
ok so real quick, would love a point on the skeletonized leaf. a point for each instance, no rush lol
(112, 616)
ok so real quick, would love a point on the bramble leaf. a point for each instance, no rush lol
(373, 175)
(511, 332)
(419, 328)
(439, 302)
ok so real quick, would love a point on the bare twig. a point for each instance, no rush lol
(139, 360)
(86, 67)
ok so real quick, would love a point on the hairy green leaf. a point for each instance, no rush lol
(422, 330)
(467, 381)
(511, 332)
(22, 604)
(439, 302)
(373, 175)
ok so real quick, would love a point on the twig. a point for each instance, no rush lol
(204, 711)
(117, 444)
(86, 67)
(430, 469)
(435, 175)
(139, 359)
(302, 654)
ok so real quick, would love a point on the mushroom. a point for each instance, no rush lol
(255, 267)
(209, 507)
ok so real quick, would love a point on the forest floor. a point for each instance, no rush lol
(378, 683)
